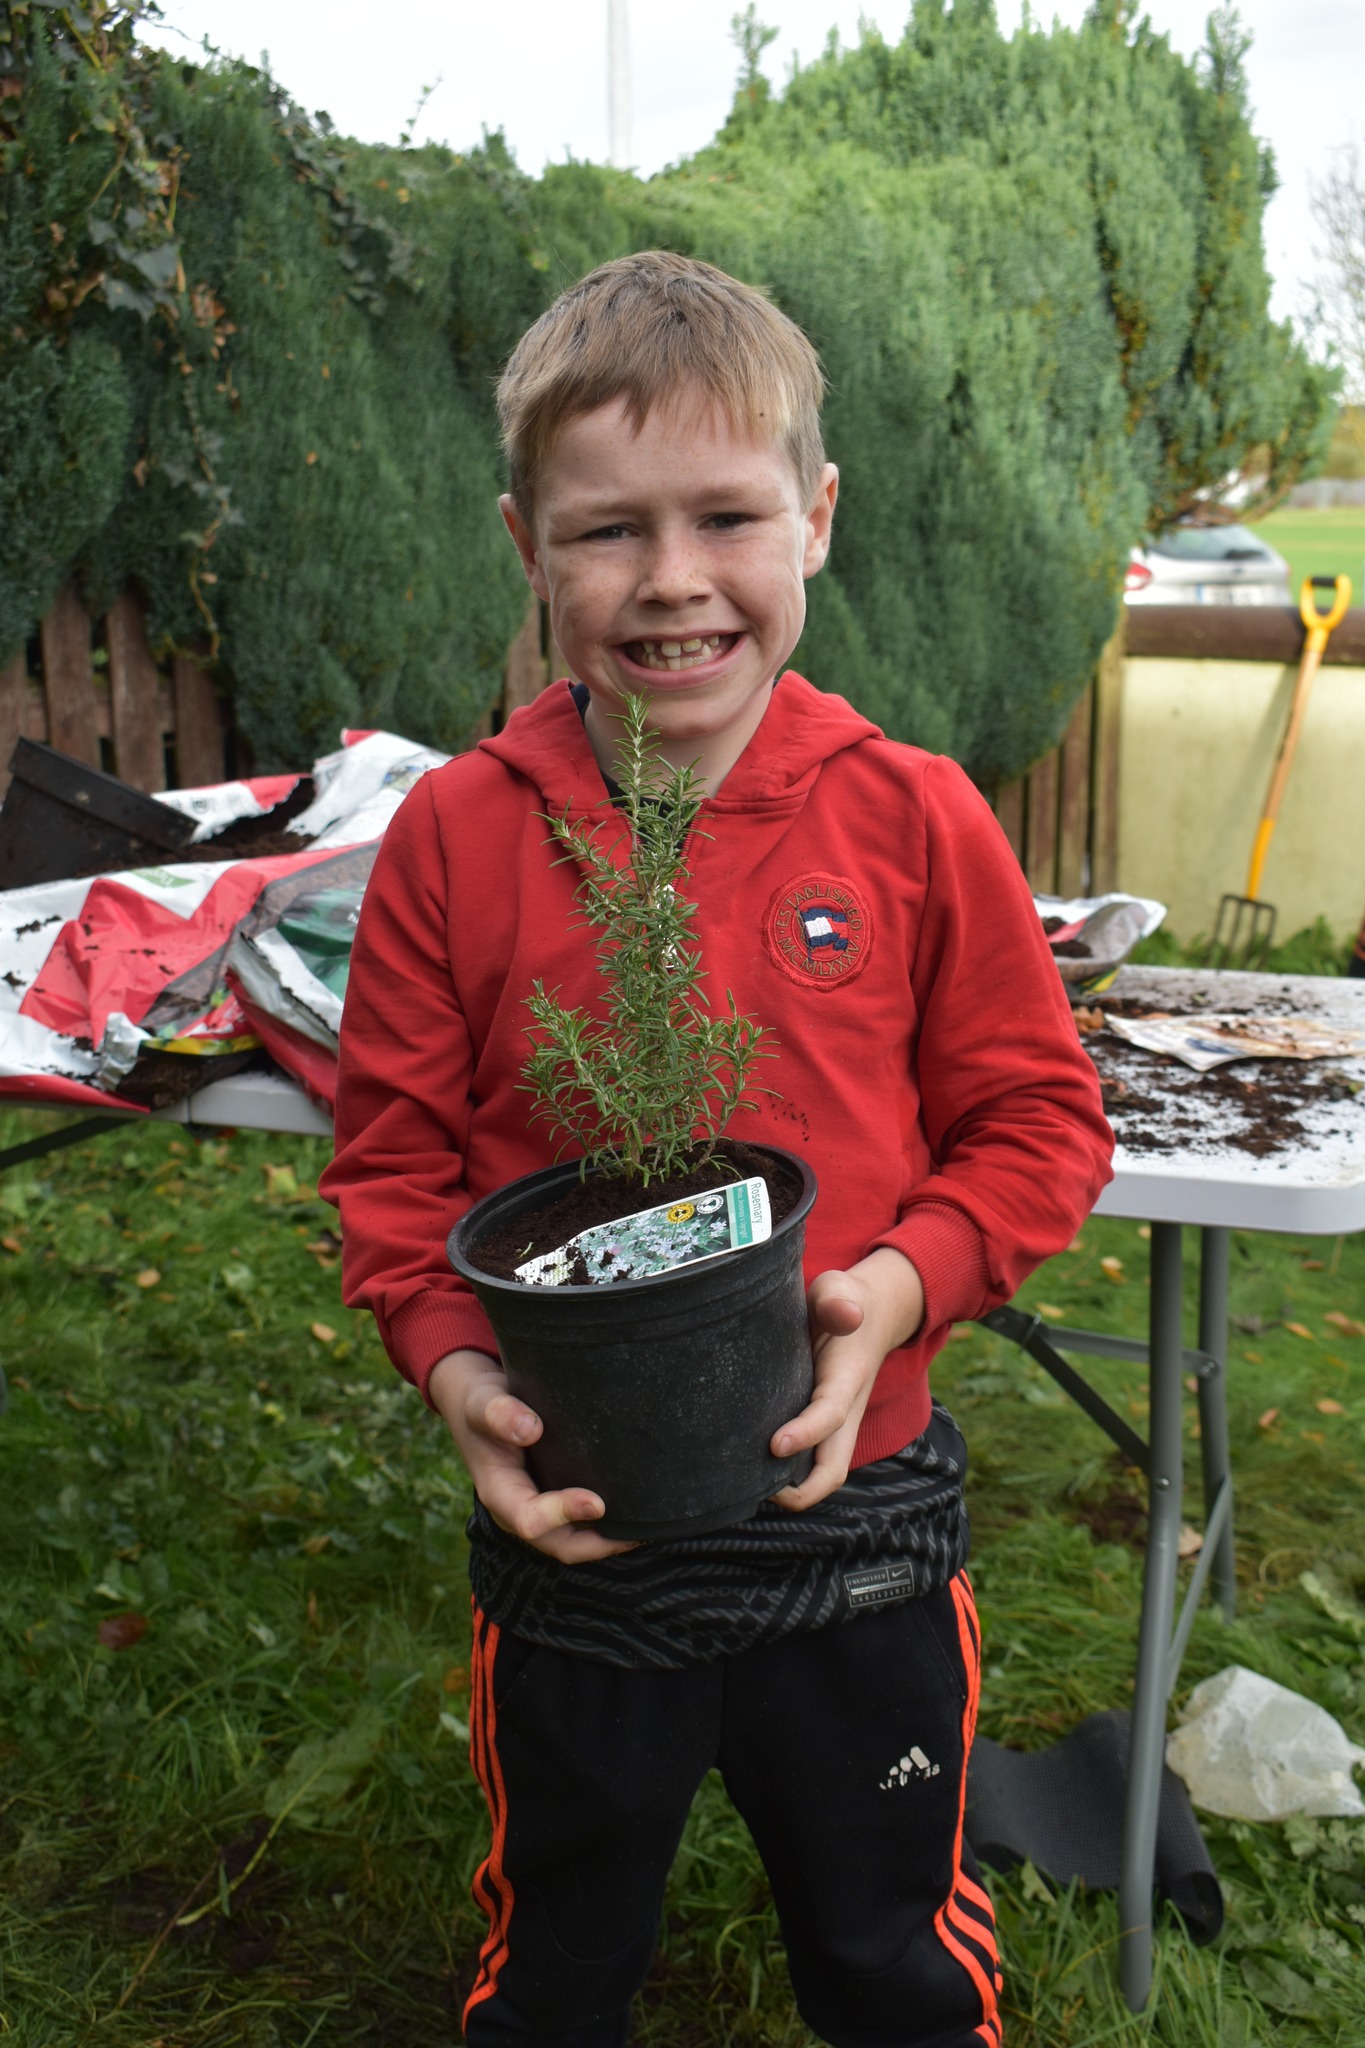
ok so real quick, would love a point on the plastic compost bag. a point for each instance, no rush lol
(1252, 1750)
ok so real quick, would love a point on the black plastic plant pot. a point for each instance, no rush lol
(660, 1394)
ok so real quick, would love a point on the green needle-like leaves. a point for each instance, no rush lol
(638, 1085)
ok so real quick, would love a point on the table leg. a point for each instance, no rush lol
(1213, 1404)
(1147, 1742)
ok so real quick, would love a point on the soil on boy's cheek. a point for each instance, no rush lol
(603, 1201)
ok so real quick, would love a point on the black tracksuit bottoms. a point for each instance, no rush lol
(845, 1750)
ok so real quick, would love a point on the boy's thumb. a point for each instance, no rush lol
(833, 1309)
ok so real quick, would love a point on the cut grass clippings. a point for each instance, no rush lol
(235, 1799)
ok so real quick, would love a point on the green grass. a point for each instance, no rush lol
(1326, 543)
(223, 1451)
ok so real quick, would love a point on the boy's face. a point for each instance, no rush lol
(674, 562)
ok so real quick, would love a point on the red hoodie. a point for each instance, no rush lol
(854, 894)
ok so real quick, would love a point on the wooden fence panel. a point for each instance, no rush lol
(13, 706)
(134, 697)
(68, 680)
(1104, 772)
(199, 734)
(1062, 817)
(127, 723)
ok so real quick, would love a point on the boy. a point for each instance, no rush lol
(669, 497)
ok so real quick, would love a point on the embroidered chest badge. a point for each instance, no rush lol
(818, 930)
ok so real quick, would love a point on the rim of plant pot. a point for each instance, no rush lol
(554, 1179)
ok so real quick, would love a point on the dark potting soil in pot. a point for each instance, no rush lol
(600, 1200)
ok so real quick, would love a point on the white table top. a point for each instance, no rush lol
(252, 1102)
(1314, 1184)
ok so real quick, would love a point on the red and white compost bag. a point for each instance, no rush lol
(188, 958)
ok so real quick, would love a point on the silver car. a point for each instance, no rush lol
(1193, 564)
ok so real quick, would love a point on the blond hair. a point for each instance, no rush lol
(648, 329)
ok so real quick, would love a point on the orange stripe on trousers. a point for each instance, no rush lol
(491, 1887)
(989, 2030)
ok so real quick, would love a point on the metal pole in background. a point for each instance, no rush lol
(618, 84)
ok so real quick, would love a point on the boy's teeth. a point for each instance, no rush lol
(676, 654)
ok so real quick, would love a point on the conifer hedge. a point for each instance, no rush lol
(248, 364)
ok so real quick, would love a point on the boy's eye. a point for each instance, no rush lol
(605, 533)
(728, 521)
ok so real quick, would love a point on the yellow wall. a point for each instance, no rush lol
(1197, 742)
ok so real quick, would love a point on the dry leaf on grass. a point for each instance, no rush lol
(148, 1277)
(1301, 1330)
(1347, 1325)
(121, 1631)
(1051, 1311)
(11, 1244)
(1329, 1407)
(1189, 1543)
(1269, 1419)
(324, 1333)
(1112, 1269)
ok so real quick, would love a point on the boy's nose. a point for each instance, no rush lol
(673, 576)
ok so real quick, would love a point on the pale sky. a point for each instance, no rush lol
(537, 69)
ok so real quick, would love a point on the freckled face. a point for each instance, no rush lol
(674, 562)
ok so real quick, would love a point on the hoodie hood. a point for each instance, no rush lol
(801, 730)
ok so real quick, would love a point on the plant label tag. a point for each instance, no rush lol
(656, 1240)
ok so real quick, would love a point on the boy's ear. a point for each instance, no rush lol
(819, 521)
(524, 540)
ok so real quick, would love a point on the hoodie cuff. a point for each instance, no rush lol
(949, 1254)
(424, 1329)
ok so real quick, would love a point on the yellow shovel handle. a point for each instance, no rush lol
(1319, 626)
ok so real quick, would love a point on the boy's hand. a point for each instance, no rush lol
(492, 1430)
(855, 1319)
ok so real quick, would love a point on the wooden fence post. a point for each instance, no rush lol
(1104, 770)
(68, 683)
(134, 693)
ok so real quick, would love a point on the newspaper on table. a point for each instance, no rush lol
(1214, 1039)
(656, 1240)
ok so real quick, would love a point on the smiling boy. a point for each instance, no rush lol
(669, 499)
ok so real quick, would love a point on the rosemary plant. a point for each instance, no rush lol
(646, 1088)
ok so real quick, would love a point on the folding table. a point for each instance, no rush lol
(1314, 1185)
(1181, 1176)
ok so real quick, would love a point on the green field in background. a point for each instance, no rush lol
(1326, 543)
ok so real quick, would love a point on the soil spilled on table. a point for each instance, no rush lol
(1253, 1106)
(600, 1200)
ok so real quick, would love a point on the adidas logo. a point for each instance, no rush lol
(916, 1765)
